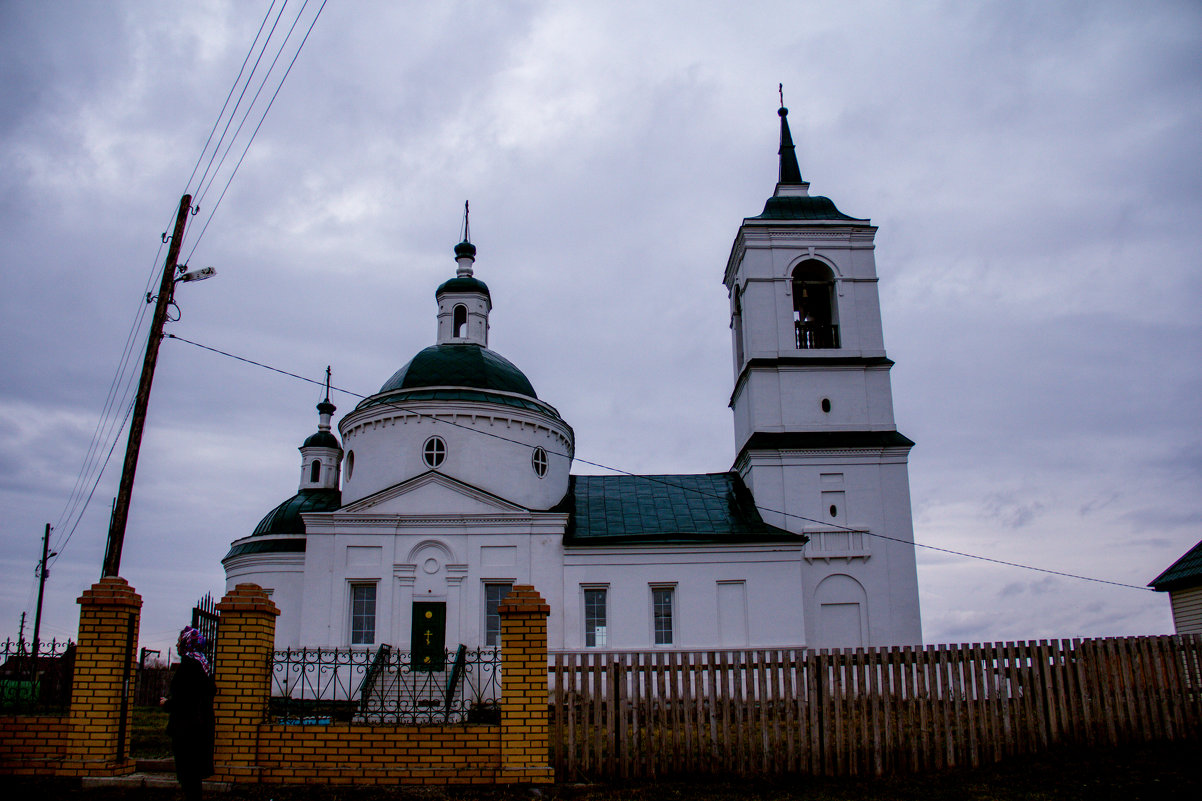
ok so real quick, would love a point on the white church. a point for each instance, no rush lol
(453, 482)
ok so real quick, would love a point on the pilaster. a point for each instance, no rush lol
(243, 678)
(98, 737)
(525, 745)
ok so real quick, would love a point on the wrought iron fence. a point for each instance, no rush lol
(36, 684)
(324, 685)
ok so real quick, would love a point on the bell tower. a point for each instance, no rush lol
(815, 437)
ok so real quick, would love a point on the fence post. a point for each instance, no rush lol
(98, 733)
(243, 678)
(525, 753)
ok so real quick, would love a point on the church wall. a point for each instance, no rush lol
(724, 596)
(282, 576)
(871, 493)
(388, 447)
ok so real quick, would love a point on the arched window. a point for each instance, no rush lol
(736, 322)
(813, 306)
(459, 321)
(315, 472)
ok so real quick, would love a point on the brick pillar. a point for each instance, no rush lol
(525, 747)
(104, 671)
(245, 643)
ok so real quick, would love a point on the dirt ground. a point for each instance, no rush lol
(1161, 772)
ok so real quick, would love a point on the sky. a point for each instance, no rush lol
(1034, 169)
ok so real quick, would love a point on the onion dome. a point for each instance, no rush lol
(286, 518)
(467, 365)
(463, 283)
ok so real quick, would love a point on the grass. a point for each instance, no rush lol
(1157, 772)
(148, 738)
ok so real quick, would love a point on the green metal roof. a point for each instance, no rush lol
(1185, 572)
(292, 545)
(464, 284)
(402, 396)
(711, 507)
(322, 439)
(460, 365)
(802, 207)
(822, 440)
(286, 518)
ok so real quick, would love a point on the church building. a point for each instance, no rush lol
(453, 482)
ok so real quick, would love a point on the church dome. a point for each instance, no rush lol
(463, 283)
(286, 518)
(322, 439)
(460, 365)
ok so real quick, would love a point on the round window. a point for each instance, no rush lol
(826, 405)
(539, 460)
(350, 464)
(434, 452)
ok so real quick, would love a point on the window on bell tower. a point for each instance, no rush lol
(459, 321)
(813, 306)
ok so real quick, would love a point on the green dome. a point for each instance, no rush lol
(460, 365)
(465, 283)
(322, 439)
(802, 207)
(286, 518)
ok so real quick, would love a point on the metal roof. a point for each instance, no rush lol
(1185, 572)
(286, 518)
(460, 365)
(657, 509)
(802, 207)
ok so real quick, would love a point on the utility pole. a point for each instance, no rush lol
(21, 635)
(116, 538)
(42, 576)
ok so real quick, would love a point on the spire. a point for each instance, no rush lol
(790, 173)
(465, 251)
(325, 409)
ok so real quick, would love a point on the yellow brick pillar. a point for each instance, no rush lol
(97, 738)
(525, 748)
(245, 643)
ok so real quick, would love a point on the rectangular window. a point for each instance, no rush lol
(363, 614)
(493, 595)
(661, 613)
(594, 618)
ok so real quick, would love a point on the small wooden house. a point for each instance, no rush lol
(1183, 582)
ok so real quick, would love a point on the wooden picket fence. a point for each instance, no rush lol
(619, 715)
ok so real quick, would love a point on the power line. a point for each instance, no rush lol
(660, 480)
(262, 118)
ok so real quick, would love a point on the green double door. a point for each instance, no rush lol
(428, 640)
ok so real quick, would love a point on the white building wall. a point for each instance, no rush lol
(1187, 610)
(766, 577)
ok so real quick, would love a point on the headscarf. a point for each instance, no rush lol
(191, 646)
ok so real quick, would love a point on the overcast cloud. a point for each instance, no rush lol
(1034, 169)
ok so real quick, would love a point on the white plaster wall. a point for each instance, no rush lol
(772, 587)
(388, 442)
(282, 575)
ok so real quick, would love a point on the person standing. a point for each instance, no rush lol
(189, 707)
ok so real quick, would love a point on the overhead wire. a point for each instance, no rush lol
(662, 480)
(110, 422)
(250, 51)
(262, 117)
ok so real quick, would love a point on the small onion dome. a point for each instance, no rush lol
(286, 518)
(465, 249)
(460, 365)
(322, 439)
(464, 283)
(325, 407)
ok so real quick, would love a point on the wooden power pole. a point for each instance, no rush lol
(42, 576)
(116, 538)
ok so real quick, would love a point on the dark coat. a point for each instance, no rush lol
(190, 720)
